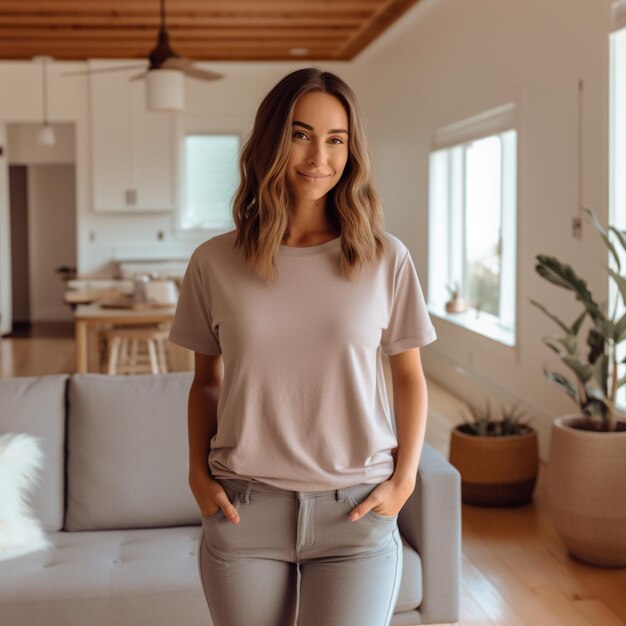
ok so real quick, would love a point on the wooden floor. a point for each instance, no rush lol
(515, 568)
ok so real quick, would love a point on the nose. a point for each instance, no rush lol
(316, 152)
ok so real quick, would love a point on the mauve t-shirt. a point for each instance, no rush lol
(303, 403)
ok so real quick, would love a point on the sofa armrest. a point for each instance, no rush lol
(430, 521)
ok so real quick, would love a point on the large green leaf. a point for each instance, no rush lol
(606, 328)
(596, 342)
(600, 371)
(568, 342)
(578, 323)
(560, 381)
(620, 281)
(564, 276)
(582, 370)
(603, 234)
(621, 236)
(620, 329)
(597, 356)
(552, 344)
(554, 271)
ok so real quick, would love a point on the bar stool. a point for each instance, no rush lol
(121, 338)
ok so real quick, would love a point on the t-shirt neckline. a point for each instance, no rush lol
(327, 246)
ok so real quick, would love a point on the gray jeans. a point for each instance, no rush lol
(296, 558)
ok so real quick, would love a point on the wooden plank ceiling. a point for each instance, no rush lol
(211, 30)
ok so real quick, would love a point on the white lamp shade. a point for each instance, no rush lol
(165, 90)
(45, 136)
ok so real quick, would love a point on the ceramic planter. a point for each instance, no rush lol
(457, 305)
(587, 490)
(495, 471)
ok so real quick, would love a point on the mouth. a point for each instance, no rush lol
(313, 178)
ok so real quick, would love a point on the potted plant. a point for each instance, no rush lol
(498, 459)
(587, 466)
(456, 304)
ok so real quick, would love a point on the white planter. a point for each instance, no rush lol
(587, 491)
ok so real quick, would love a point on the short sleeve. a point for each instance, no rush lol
(192, 326)
(409, 323)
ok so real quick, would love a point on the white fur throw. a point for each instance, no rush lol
(20, 531)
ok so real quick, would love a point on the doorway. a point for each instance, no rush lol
(42, 212)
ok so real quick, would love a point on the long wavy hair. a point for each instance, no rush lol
(261, 207)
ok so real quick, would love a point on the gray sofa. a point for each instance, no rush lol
(115, 502)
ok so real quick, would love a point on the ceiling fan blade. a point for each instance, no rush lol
(175, 63)
(196, 72)
(187, 66)
(119, 68)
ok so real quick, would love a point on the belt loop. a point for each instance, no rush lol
(340, 494)
(246, 493)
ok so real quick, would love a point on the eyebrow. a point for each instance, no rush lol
(309, 127)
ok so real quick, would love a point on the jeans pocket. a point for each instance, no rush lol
(233, 496)
(218, 513)
(370, 514)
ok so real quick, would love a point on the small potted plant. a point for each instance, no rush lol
(498, 458)
(456, 304)
(587, 465)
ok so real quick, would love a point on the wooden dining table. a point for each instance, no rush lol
(90, 318)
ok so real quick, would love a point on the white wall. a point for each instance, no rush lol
(448, 59)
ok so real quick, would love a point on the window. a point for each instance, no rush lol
(617, 163)
(472, 223)
(210, 179)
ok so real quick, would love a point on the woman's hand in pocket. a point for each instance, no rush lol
(386, 499)
(211, 497)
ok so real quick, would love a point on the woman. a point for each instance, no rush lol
(305, 475)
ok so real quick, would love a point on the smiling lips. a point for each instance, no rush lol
(313, 177)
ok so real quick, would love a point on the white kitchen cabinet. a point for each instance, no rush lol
(131, 147)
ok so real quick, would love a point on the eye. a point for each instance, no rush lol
(298, 132)
(337, 138)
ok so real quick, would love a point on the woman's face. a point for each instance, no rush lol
(319, 145)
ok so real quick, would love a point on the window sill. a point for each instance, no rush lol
(486, 324)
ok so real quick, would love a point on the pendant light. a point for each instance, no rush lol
(45, 136)
(165, 90)
(165, 86)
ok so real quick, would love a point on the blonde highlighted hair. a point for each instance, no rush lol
(262, 200)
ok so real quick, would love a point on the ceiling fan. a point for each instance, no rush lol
(164, 74)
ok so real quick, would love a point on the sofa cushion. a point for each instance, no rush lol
(128, 456)
(105, 578)
(130, 577)
(36, 405)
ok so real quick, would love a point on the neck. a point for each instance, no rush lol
(309, 221)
